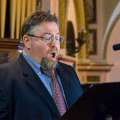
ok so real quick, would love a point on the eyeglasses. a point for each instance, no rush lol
(48, 37)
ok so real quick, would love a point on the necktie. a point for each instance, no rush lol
(57, 94)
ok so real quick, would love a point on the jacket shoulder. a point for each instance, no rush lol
(65, 65)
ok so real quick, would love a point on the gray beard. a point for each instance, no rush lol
(48, 65)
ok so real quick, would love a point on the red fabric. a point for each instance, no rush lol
(57, 95)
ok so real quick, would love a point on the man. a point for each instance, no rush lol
(26, 91)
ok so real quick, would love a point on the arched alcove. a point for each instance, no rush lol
(111, 37)
(113, 57)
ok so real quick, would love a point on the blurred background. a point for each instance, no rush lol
(90, 29)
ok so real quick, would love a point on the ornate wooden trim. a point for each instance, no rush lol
(67, 60)
(8, 44)
(95, 67)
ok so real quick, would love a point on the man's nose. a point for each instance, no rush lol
(53, 43)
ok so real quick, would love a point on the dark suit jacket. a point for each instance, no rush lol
(24, 97)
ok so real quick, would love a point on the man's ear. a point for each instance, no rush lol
(27, 41)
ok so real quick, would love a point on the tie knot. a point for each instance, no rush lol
(46, 72)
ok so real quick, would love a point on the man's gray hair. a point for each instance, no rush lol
(35, 19)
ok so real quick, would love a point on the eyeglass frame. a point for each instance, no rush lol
(50, 39)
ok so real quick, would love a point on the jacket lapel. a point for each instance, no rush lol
(35, 83)
(71, 87)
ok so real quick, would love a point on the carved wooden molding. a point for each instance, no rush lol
(94, 67)
(67, 60)
(8, 44)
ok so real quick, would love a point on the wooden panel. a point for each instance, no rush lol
(8, 44)
(4, 56)
(12, 18)
(3, 16)
(18, 16)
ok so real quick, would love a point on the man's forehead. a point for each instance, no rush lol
(47, 28)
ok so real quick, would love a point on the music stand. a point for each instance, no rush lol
(99, 102)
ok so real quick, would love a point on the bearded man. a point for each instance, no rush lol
(26, 85)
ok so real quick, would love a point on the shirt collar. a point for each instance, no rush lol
(31, 62)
